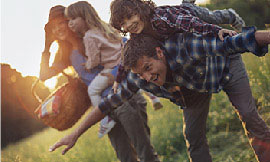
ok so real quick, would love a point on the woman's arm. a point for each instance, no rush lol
(46, 71)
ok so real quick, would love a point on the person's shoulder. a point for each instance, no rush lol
(93, 34)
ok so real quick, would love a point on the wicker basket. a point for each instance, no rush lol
(74, 103)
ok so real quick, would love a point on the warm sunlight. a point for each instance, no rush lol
(26, 55)
(53, 51)
(51, 83)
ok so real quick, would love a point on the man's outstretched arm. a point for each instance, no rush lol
(262, 37)
(70, 140)
(249, 40)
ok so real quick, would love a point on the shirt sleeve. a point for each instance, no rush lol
(244, 42)
(181, 21)
(92, 51)
(125, 91)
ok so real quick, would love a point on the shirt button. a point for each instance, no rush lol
(179, 79)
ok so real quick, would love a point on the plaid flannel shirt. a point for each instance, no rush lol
(197, 62)
(176, 19)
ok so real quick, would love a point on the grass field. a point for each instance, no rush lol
(167, 138)
(225, 134)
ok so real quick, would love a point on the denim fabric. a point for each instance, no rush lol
(87, 77)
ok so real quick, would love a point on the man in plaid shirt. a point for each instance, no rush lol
(186, 69)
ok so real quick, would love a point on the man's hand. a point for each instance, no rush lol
(225, 31)
(68, 140)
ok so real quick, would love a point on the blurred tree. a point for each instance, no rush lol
(18, 105)
(254, 12)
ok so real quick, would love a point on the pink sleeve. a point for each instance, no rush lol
(92, 51)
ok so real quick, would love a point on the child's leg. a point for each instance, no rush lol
(238, 21)
(188, 1)
(106, 124)
(99, 84)
(226, 16)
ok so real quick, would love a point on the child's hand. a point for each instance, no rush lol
(225, 31)
(115, 86)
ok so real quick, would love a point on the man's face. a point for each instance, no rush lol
(133, 25)
(151, 69)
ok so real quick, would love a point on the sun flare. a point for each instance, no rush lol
(51, 83)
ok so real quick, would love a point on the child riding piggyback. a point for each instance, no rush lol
(143, 16)
(102, 48)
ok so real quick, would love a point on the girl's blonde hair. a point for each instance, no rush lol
(85, 10)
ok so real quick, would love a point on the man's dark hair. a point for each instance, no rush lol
(137, 46)
(125, 9)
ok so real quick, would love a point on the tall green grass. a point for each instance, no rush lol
(226, 137)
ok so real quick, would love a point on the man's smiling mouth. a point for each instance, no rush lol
(155, 78)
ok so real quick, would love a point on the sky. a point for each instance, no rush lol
(22, 29)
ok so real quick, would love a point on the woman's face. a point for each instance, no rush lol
(60, 28)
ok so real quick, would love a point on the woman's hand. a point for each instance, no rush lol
(68, 140)
(225, 31)
(49, 38)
